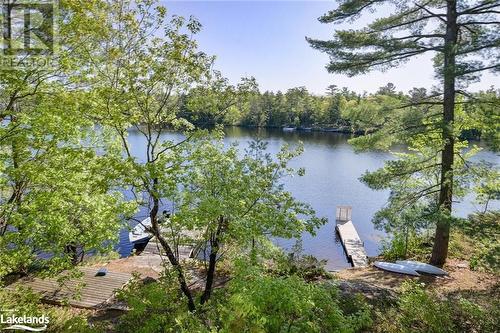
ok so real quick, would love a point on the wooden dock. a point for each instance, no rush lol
(153, 247)
(88, 291)
(353, 245)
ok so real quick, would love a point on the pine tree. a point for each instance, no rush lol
(463, 37)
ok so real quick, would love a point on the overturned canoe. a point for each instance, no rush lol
(396, 268)
(422, 267)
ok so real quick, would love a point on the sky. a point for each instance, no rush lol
(266, 40)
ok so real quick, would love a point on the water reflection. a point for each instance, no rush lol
(332, 178)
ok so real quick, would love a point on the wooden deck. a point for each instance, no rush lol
(153, 247)
(89, 291)
(353, 245)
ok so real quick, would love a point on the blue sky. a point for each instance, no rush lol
(266, 39)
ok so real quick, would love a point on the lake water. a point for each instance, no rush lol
(332, 179)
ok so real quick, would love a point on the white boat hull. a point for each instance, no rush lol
(396, 268)
(422, 267)
(139, 232)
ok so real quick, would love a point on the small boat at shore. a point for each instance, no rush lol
(395, 268)
(139, 236)
(422, 267)
(288, 129)
(332, 129)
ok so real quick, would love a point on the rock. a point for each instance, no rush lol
(462, 265)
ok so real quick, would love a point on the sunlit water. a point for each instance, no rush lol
(332, 179)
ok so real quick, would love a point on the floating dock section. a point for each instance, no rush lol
(352, 243)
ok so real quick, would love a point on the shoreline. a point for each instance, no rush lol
(342, 130)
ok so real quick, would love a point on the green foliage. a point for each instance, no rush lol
(471, 317)
(476, 240)
(420, 311)
(417, 311)
(407, 31)
(216, 101)
(487, 183)
(157, 307)
(59, 171)
(274, 304)
(297, 263)
(227, 199)
(483, 116)
(220, 103)
(403, 246)
(247, 191)
(252, 302)
(61, 319)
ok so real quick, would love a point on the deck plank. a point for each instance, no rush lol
(89, 291)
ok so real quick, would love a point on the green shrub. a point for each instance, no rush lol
(401, 246)
(251, 302)
(297, 263)
(260, 303)
(470, 317)
(157, 307)
(479, 235)
(420, 311)
(61, 319)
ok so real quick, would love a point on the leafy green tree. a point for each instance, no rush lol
(269, 107)
(52, 202)
(462, 35)
(148, 63)
(483, 116)
(234, 201)
(139, 84)
(279, 116)
(212, 100)
(297, 104)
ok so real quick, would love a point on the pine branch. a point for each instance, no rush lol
(439, 16)
(496, 66)
(344, 12)
(479, 9)
(478, 23)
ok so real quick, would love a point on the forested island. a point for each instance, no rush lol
(73, 179)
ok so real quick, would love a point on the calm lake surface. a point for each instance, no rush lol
(332, 179)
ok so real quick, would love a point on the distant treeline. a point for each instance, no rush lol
(297, 107)
(339, 108)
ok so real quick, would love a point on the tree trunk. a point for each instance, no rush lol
(168, 250)
(210, 272)
(442, 235)
(72, 251)
(18, 187)
(214, 249)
